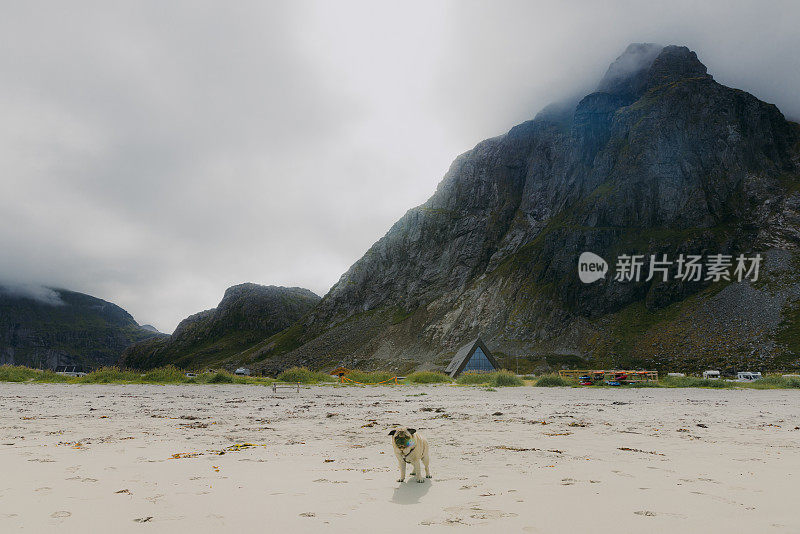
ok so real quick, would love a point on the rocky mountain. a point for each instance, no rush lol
(247, 314)
(660, 159)
(55, 327)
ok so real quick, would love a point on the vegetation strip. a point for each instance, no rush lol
(503, 378)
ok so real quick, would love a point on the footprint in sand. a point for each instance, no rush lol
(475, 512)
(650, 513)
(61, 514)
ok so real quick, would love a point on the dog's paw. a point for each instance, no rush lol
(413, 474)
(428, 476)
(420, 480)
(401, 480)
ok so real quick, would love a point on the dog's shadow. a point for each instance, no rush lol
(411, 491)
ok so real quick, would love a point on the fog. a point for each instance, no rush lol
(154, 153)
(35, 292)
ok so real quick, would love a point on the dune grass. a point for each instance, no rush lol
(474, 379)
(428, 377)
(115, 375)
(370, 377)
(502, 378)
(776, 382)
(108, 375)
(553, 380)
(694, 382)
(304, 376)
(18, 373)
(169, 374)
(772, 381)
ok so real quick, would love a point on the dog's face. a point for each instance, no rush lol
(403, 437)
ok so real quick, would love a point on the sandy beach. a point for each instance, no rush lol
(148, 458)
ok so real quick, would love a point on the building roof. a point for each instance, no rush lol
(463, 355)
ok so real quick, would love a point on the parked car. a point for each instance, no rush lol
(747, 376)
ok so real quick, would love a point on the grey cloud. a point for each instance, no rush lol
(39, 293)
(154, 153)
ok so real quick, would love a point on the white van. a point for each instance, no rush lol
(711, 375)
(747, 376)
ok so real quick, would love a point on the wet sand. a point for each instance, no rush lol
(146, 458)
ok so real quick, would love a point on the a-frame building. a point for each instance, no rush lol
(473, 357)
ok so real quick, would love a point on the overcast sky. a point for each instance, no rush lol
(154, 153)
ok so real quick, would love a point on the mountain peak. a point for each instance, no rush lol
(645, 65)
(675, 63)
(627, 74)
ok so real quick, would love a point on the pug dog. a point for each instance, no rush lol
(410, 448)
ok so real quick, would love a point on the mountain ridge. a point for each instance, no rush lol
(51, 327)
(246, 314)
(663, 160)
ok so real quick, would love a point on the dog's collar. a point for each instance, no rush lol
(405, 456)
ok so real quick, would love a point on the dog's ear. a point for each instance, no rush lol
(412, 430)
(392, 433)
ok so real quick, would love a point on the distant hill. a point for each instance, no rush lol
(52, 327)
(247, 314)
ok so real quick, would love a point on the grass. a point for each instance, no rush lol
(18, 373)
(474, 378)
(370, 377)
(305, 376)
(115, 375)
(166, 375)
(768, 382)
(553, 380)
(502, 378)
(694, 382)
(107, 375)
(173, 375)
(428, 377)
(776, 382)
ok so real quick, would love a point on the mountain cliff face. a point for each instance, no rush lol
(66, 328)
(661, 159)
(247, 314)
